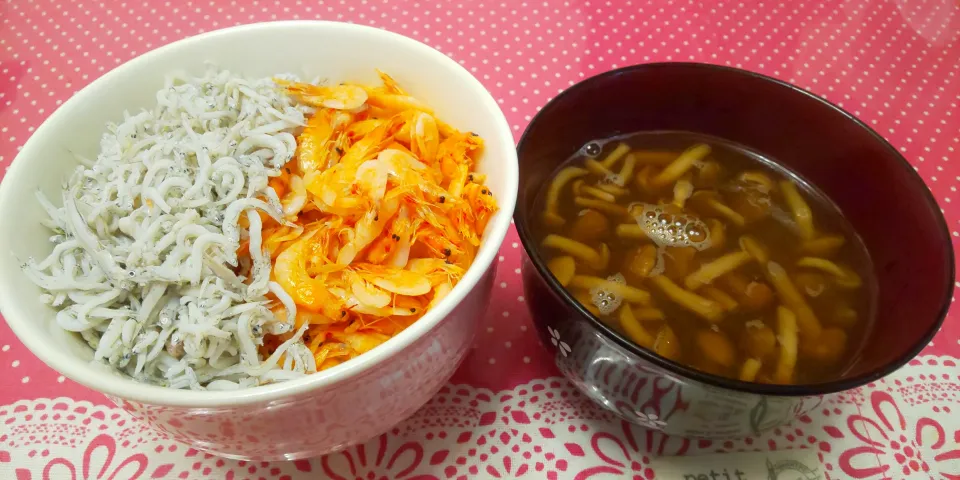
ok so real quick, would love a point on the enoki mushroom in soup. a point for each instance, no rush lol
(709, 255)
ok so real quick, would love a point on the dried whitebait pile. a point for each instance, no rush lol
(146, 240)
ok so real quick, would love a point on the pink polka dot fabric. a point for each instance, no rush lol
(895, 64)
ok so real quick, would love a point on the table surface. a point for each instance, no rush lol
(894, 64)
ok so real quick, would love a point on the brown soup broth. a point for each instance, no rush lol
(736, 331)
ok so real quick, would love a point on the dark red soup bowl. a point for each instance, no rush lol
(872, 185)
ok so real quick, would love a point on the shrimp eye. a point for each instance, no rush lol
(484, 191)
(413, 310)
(443, 199)
(447, 252)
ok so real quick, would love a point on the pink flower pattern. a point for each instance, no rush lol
(97, 464)
(625, 457)
(545, 429)
(382, 463)
(920, 447)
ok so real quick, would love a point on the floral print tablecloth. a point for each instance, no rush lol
(507, 413)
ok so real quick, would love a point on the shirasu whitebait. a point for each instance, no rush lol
(147, 234)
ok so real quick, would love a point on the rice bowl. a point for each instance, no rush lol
(412, 365)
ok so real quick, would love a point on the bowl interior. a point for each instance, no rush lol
(333, 51)
(875, 188)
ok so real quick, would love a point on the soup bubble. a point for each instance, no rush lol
(606, 301)
(672, 230)
(591, 149)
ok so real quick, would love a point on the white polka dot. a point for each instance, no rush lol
(517, 271)
(5, 348)
(492, 361)
(527, 359)
(520, 299)
(503, 284)
(60, 379)
(514, 244)
(15, 364)
(24, 379)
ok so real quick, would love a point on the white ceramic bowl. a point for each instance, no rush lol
(330, 410)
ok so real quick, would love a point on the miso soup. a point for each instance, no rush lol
(709, 255)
